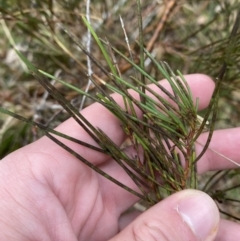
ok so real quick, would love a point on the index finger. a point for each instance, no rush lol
(223, 152)
(201, 86)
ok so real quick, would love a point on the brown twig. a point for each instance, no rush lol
(169, 8)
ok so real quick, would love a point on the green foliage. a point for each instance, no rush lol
(14, 138)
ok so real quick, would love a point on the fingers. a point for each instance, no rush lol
(224, 148)
(224, 143)
(201, 85)
(228, 231)
(186, 215)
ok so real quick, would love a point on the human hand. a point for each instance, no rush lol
(47, 194)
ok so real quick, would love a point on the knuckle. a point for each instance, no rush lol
(152, 231)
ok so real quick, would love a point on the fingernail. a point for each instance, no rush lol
(200, 213)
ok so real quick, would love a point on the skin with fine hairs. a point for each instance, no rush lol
(46, 194)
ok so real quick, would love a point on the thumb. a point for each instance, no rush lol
(186, 215)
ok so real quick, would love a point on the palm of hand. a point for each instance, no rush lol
(74, 203)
